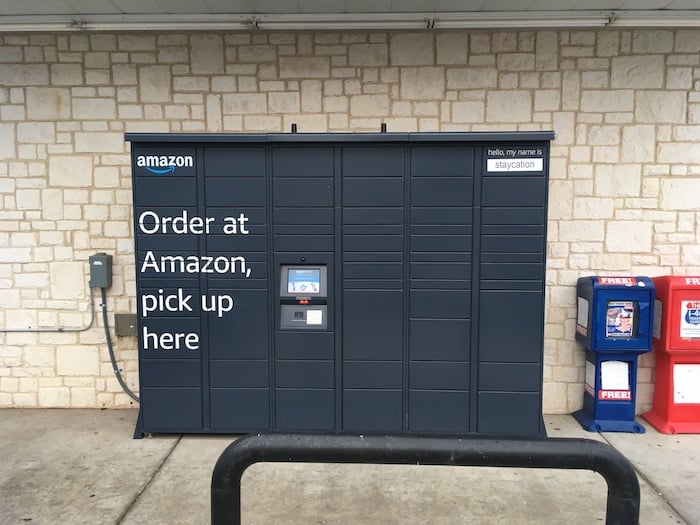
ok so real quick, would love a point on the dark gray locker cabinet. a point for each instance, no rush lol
(341, 282)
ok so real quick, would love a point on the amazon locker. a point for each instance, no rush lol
(388, 282)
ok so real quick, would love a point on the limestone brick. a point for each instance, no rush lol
(206, 54)
(508, 106)
(422, 83)
(647, 41)
(213, 113)
(190, 84)
(10, 54)
(136, 42)
(687, 41)
(232, 123)
(480, 43)
(154, 83)
(7, 144)
(246, 83)
(593, 208)
(172, 55)
(8, 113)
(595, 79)
(72, 171)
(660, 106)
(83, 397)
(617, 180)
(67, 280)
(369, 105)
(679, 152)
(679, 78)
(130, 111)
(603, 135)
(504, 41)
(40, 357)
(27, 384)
(343, 72)
(27, 199)
(563, 125)
(412, 49)
(571, 88)
(611, 262)
(262, 123)
(467, 111)
(629, 236)
(46, 103)
(686, 133)
(452, 48)
(24, 400)
(637, 72)
(508, 81)
(690, 255)
(426, 108)
(33, 54)
(596, 101)
(606, 154)
(306, 123)
(546, 51)
(554, 396)
(547, 100)
(368, 54)
(54, 397)
(106, 142)
(638, 144)
(335, 104)
(560, 199)
(680, 194)
(80, 360)
(352, 87)
(24, 74)
(94, 108)
(304, 67)
(66, 74)
(577, 231)
(284, 102)
(244, 104)
(515, 61)
(223, 84)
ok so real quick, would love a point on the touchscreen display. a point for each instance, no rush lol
(304, 281)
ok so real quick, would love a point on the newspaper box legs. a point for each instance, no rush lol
(609, 394)
(614, 323)
(676, 341)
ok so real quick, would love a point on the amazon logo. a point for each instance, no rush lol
(164, 164)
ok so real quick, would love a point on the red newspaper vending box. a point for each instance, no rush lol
(676, 343)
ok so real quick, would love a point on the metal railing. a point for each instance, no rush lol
(555, 453)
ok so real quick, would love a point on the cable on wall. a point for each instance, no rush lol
(113, 359)
(60, 329)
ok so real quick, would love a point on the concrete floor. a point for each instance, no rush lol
(82, 466)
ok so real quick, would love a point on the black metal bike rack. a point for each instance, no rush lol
(556, 453)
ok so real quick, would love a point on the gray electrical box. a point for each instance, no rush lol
(125, 324)
(388, 282)
(100, 270)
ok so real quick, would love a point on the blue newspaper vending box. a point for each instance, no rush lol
(614, 322)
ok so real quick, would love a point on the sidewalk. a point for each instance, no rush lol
(82, 466)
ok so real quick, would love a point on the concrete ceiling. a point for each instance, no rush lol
(28, 15)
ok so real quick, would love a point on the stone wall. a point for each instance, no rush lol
(625, 170)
